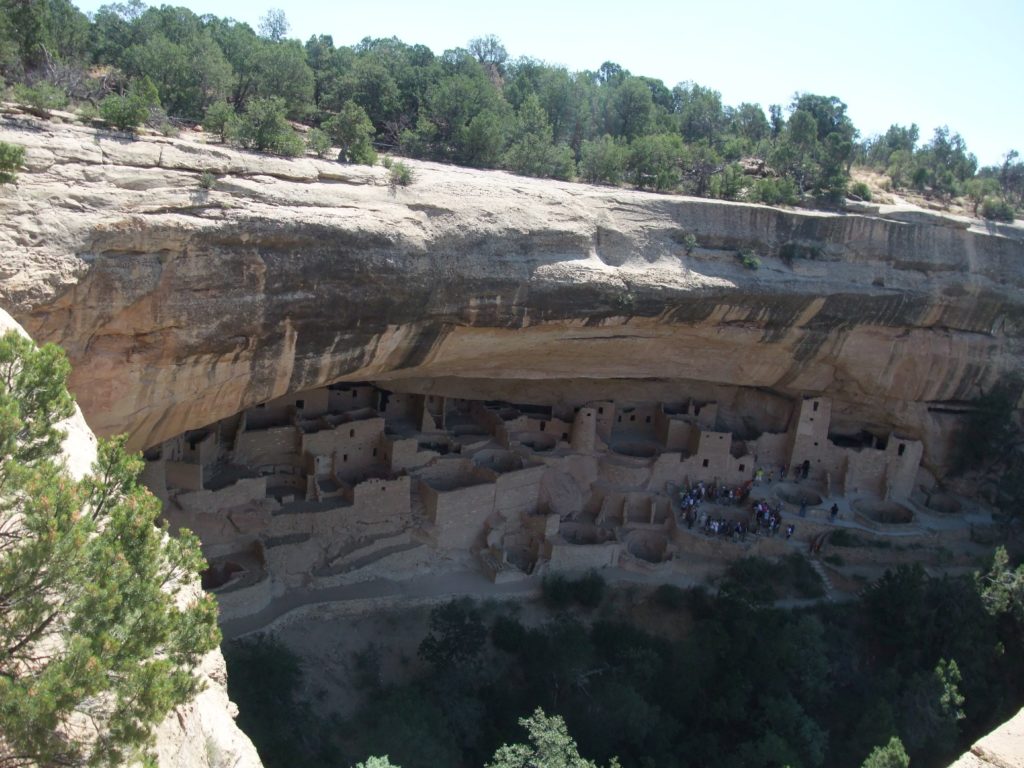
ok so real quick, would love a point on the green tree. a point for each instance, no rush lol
(263, 127)
(221, 119)
(699, 111)
(90, 624)
(318, 141)
(484, 139)
(603, 161)
(376, 762)
(41, 97)
(351, 130)
(656, 162)
(631, 109)
(129, 110)
(11, 158)
(550, 746)
(1002, 588)
(457, 634)
(892, 755)
(274, 25)
(190, 74)
(978, 188)
(532, 152)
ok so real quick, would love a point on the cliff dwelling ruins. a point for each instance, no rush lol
(310, 489)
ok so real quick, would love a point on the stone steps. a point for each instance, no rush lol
(823, 572)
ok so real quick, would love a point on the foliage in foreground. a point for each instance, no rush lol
(11, 158)
(89, 627)
(918, 666)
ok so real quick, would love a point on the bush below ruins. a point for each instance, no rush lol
(935, 662)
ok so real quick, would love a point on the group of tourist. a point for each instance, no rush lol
(691, 496)
(768, 518)
(765, 519)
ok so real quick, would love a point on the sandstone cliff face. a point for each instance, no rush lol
(179, 305)
(201, 733)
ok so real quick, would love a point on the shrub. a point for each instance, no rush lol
(670, 597)
(604, 160)
(207, 180)
(264, 128)
(774, 192)
(589, 590)
(686, 239)
(11, 158)
(352, 131)
(319, 142)
(401, 175)
(386, 161)
(802, 577)
(41, 97)
(128, 111)
(997, 209)
(861, 190)
(123, 113)
(556, 591)
(507, 634)
(748, 259)
(794, 250)
(88, 113)
(757, 581)
(220, 119)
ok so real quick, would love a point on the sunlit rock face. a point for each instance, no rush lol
(180, 305)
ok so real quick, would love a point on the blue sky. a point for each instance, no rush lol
(941, 62)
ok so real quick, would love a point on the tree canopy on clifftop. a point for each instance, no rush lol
(476, 106)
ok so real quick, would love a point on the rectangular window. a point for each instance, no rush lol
(600, 410)
(815, 406)
(344, 457)
(705, 463)
(351, 433)
(300, 404)
(902, 449)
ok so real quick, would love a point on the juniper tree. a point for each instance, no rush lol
(97, 637)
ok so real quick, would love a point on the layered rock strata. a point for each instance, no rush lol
(181, 305)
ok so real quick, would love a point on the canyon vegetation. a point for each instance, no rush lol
(695, 439)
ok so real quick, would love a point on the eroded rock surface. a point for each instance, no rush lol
(180, 306)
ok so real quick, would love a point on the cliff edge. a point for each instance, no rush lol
(180, 304)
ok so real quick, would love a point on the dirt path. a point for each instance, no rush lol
(453, 584)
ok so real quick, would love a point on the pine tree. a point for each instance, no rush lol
(97, 638)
